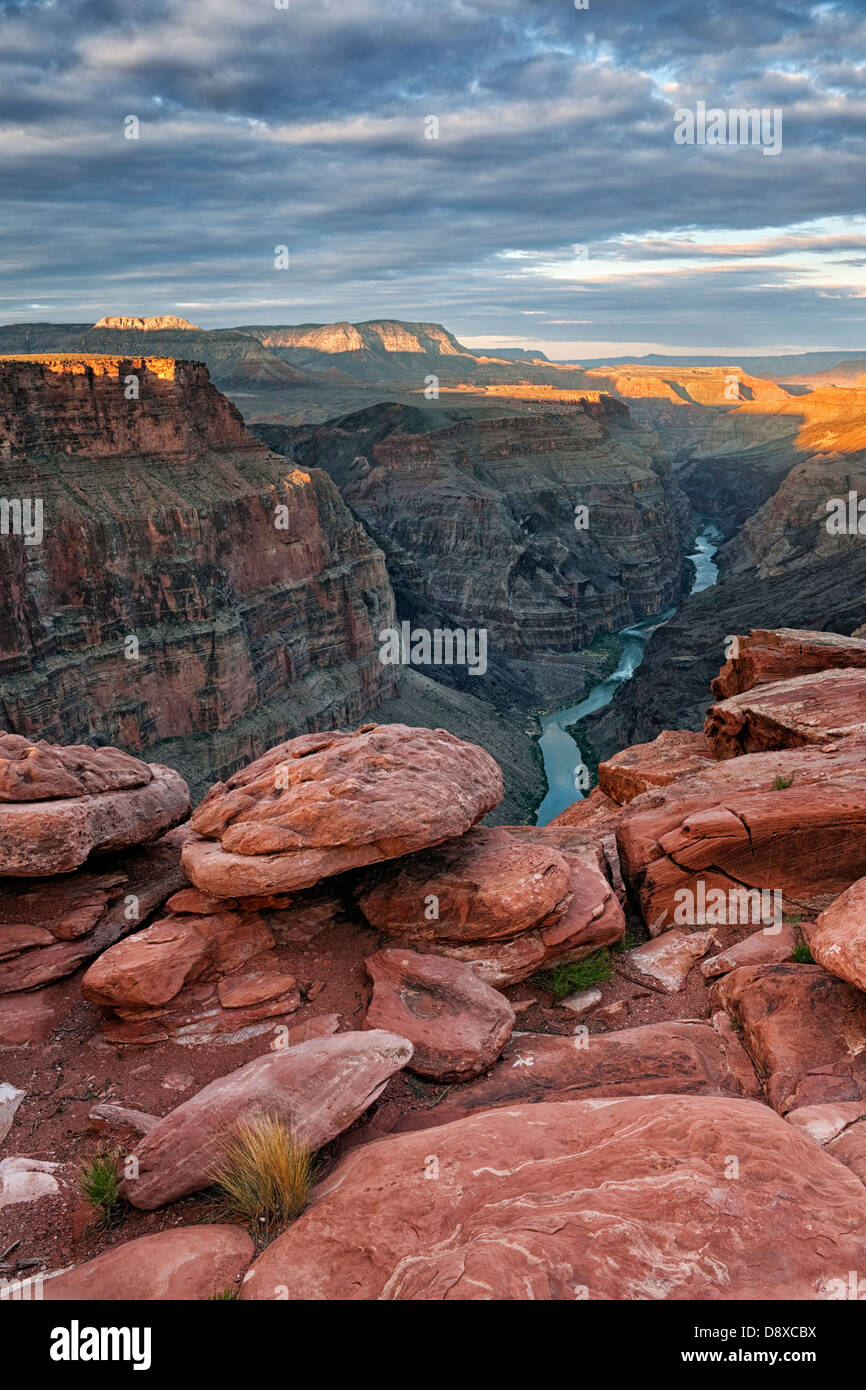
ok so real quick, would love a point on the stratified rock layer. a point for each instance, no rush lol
(508, 900)
(792, 821)
(622, 1199)
(764, 657)
(196, 597)
(815, 709)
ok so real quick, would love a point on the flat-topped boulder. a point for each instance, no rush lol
(804, 1030)
(55, 836)
(792, 822)
(628, 1198)
(769, 946)
(683, 1058)
(186, 1263)
(674, 754)
(324, 803)
(506, 899)
(40, 771)
(766, 656)
(456, 1023)
(317, 1088)
(816, 709)
(839, 939)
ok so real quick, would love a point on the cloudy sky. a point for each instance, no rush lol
(554, 209)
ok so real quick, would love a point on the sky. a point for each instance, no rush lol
(555, 209)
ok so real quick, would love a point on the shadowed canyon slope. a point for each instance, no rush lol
(194, 596)
(478, 517)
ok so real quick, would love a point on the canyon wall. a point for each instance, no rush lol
(477, 517)
(194, 597)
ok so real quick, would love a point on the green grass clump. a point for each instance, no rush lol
(802, 955)
(97, 1183)
(228, 1294)
(780, 783)
(263, 1176)
(578, 975)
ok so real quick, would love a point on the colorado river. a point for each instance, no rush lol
(559, 750)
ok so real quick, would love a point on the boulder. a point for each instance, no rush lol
(722, 828)
(27, 1180)
(767, 656)
(46, 772)
(839, 939)
(456, 1023)
(681, 1058)
(624, 1199)
(317, 1088)
(674, 754)
(767, 947)
(185, 1263)
(151, 966)
(509, 899)
(666, 963)
(804, 1030)
(10, 1099)
(323, 803)
(38, 838)
(825, 1122)
(817, 709)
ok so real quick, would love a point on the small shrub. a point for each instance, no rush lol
(228, 1294)
(263, 1176)
(802, 955)
(571, 978)
(97, 1183)
(780, 783)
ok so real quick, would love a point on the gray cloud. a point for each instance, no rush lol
(260, 127)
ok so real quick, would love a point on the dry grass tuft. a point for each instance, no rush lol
(263, 1176)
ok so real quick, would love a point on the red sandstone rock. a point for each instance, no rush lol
(53, 837)
(825, 1122)
(681, 1058)
(323, 803)
(162, 520)
(205, 1012)
(485, 886)
(674, 754)
(621, 1199)
(804, 1030)
(87, 912)
(850, 1149)
(188, 1262)
(820, 708)
(667, 961)
(31, 1016)
(839, 939)
(489, 887)
(318, 1088)
(597, 813)
(152, 966)
(765, 947)
(457, 1024)
(43, 771)
(724, 828)
(767, 656)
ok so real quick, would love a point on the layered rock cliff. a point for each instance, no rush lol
(192, 596)
(480, 520)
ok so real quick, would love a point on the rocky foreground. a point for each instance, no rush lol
(335, 938)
